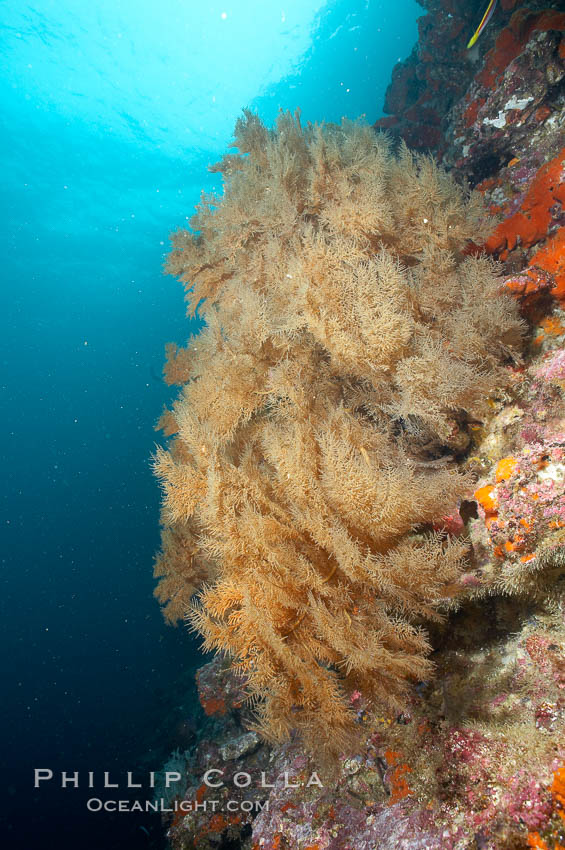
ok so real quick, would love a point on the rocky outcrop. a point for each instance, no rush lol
(477, 759)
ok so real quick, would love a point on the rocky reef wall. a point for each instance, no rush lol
(476, 761)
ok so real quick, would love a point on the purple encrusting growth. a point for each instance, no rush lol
(553, 369)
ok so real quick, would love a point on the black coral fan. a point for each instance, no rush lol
(348, 342)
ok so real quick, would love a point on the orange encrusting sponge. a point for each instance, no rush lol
(531, 222)
(486, 497)
(551, 258)
(505, 468)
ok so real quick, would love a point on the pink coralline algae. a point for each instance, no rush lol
(553, 369)
(528, 502)
(469, 766)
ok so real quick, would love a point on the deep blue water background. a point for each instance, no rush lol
(111, 112)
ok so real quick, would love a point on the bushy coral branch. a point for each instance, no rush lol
(348, 342)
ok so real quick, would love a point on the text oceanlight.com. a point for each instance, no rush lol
(95, 804)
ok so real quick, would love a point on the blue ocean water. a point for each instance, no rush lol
(111, 113)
